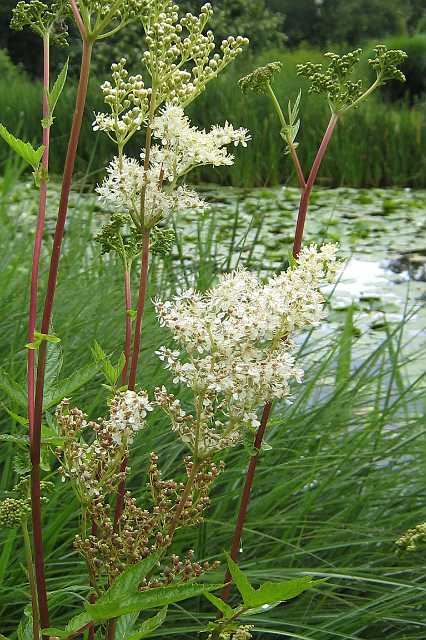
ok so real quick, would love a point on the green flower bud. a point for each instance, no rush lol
(13, 511)
(259, 79)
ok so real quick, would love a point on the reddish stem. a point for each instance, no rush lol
(143, 285)
(298, 166)
(306, 194)
(245, 498)
(298, 237)
(128, 321)
(47, 313)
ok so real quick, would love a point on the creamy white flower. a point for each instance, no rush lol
(237, 351)
(128, 412)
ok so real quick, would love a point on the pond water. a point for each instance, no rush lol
(381, 233)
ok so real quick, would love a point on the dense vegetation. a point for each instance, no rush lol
(385, 135)
(339, 485)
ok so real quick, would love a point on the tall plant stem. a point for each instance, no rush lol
(31, 579)
(47, 314)
(32, 312)
(306, 193)
(143, 286)
(297, 245)
(128, 322)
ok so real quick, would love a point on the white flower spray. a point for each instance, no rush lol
(236, 349)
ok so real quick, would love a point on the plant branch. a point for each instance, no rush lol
(78, 19)
(306, 194)
(47, 314)
(128, 322)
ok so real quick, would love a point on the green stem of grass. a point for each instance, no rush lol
(31, 579)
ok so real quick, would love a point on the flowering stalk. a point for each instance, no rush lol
(306, 190)
(342, 94)
(128, 321)
(47, 314)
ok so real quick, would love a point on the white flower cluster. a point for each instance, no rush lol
(94, 468)
(183, 147)
(122, 190)
(237, 349)
(128, 412)
(179, 55)
(128, 100)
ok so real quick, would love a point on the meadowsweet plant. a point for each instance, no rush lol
(232, 350)
(343, 92)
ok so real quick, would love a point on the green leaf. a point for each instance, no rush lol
(2, 637)
(271, 592)
(50, 437)
(97, 352)
(66, 387)
(58, 87)
(17, 418)
(274, 592)
(12, 389)
(25, 629)
(74, 625)
(240, 580)
(54, 365)
(148, 626)
(21, 463)
(125, 625)
(22, 441)
(220, 605)
(24, 149)
(150, 599)
(128, 582)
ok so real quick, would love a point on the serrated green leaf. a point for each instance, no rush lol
(12, 389)
(54, 365)
(25, 629)
(125, 625)
(51, 437)
(269, 593)
(274, 592)
(74, 625)
(148, 626)
(22, 441)
(110, 372)
(97, 352)
(78, 622)
(128, 582)
(220, 604)
(65, 388)
(24, 149)
(150, 599)
(58, 87)
(240, 581)
(21, 463)
(22, 420)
